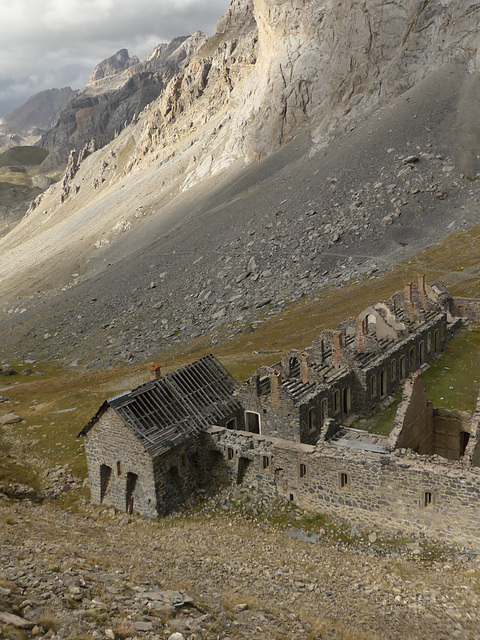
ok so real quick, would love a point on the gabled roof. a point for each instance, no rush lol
(164, 413)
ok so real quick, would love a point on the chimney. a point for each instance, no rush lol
(304, 362)
(276, 383)
(155, 371)
(408, 292)
(337, 344)
(421, 283)
(360, 334)
(421, 290)
(409, 300)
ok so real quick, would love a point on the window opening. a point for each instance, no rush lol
(411, 358)
(427, 498)
(311, 419)
(232, 424)
(383, 383)
(302, 471)
(373, 386)
(252, 422)
(336, 401)
(344, 480)
(421, 352)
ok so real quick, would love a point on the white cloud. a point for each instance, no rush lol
(55, 43)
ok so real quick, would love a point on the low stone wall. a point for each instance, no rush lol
(466, 308)
(403, 490)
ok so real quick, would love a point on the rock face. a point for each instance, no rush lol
(115, 64)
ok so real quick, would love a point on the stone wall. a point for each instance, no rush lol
(402, 490)
(179, 471)
(466, 308)
(413, 425)
(112, 450)
(449, 427)
(426, 430)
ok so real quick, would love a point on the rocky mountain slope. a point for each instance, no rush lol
(304, 145)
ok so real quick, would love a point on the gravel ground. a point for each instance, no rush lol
(219, 573)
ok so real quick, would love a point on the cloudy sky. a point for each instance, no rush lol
(57, 43)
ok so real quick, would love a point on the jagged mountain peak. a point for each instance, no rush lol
(113, 65)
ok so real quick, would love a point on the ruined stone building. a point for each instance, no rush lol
(287, 430)
(143, 449)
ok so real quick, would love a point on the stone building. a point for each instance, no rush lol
(287, 430)
(143, 447)
(350, 371)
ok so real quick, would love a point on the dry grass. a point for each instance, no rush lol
(124, 629)
(48, 622)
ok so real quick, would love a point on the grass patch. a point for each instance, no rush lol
(16, 178)
(453, 380)
(29, 156)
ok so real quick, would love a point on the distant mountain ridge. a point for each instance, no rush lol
(40, 111)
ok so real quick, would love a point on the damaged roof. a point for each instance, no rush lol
(165, 412)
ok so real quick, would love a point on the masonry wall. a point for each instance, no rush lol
(402, 490)
(448, 427)
(111, 445)
(413, 424)
(180, 471)
(366, 402)
(279, 419)
(466, 308)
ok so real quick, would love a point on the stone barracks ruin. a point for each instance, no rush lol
(286, 430)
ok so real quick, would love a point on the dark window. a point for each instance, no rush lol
(383, 383)
(265, 462)
(324, 409)
(252, 422)
(373, 386)
(302, 470)
(411, 358)
(464, 439)
(344, 480)
(232, 424)
(230, 453)
(311, 419)
(421, 352)
(336, 401)
(427, 498)
(119, 468)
